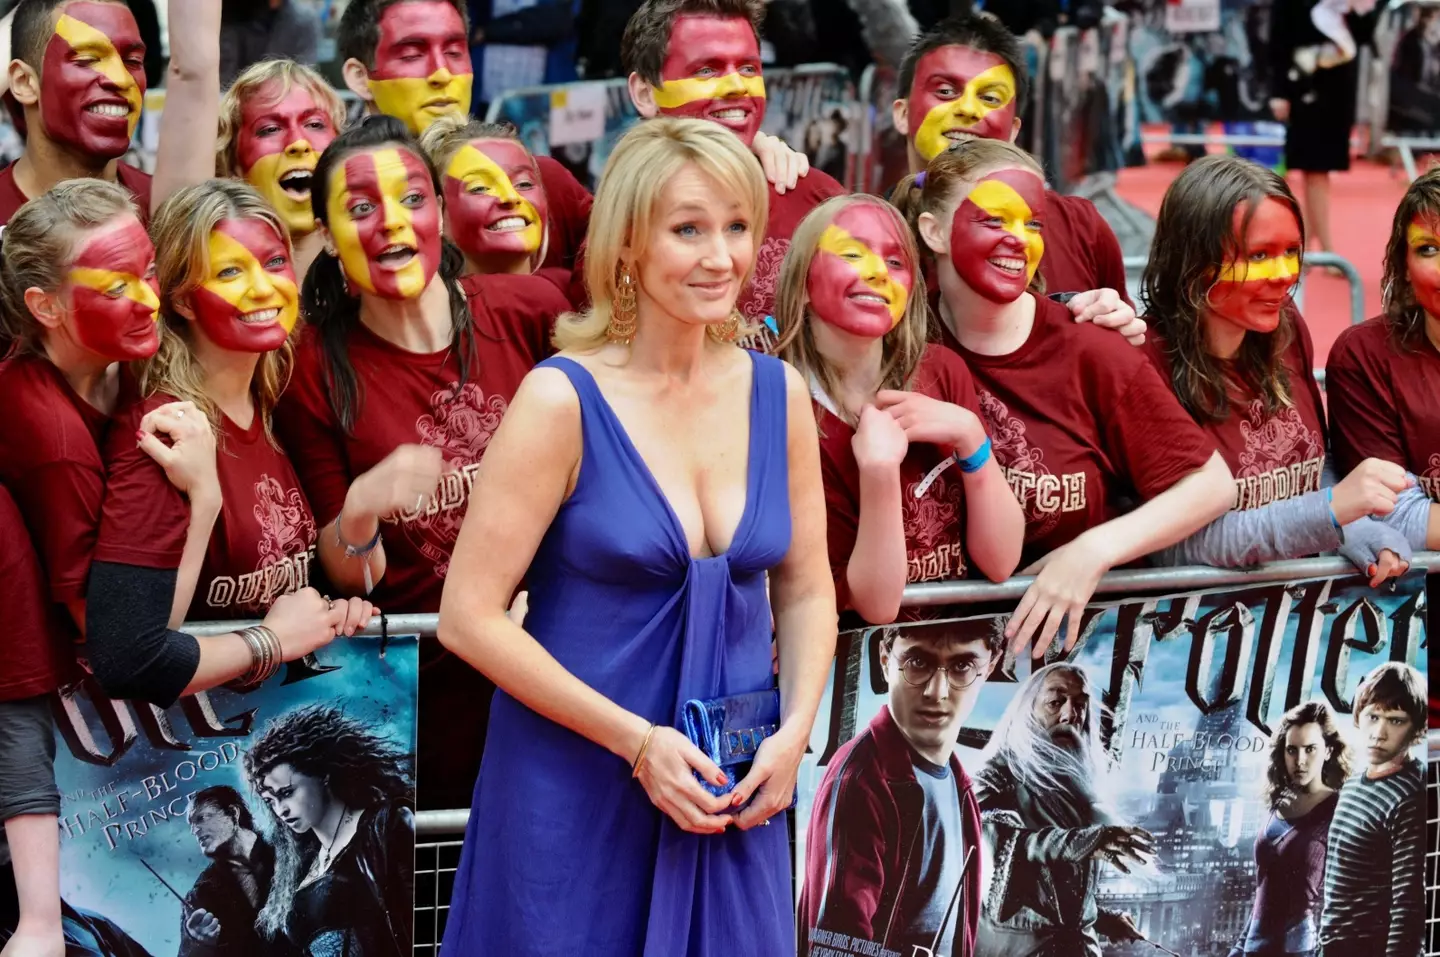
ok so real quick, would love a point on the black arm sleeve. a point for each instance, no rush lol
(132, 650)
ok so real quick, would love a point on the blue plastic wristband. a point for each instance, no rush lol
(976, 460)
(1330, 501)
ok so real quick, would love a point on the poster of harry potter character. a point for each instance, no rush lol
(274, 822)
(1227, 773)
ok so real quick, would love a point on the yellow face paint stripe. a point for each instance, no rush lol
(471, 165)
(673, 94)
(965, 110)
(1274, 267)
(282, 294)
(402, 97)
(1001, 201)
(868, 265)
(80, 34)
(393, 179)
(103, 280)
(1417, 236)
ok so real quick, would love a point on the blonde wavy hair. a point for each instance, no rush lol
(181, 230)
(902, 346)
(248, 85)
(627, 206)
(39, 244)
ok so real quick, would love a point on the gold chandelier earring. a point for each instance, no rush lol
(622, 309)
(726, 331)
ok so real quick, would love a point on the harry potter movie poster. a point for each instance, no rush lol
(1216, 774)
(278, 821)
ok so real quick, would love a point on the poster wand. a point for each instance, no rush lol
(186, 906)
(1142, 937)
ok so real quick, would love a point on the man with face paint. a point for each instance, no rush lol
(410, 59)
(966, 78)
(79, 77)
(912, 491)
(701, 59)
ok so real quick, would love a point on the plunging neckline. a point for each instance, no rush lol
(751, 457)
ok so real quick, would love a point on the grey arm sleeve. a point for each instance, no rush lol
(1293, 528)
(1411, 517)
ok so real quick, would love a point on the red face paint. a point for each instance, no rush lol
(249, 300)
(861, 279)
(114, 298)
(422, 63)
(1422, 262)
(1250, 291)
(277, 146)
(92, 78)
(385, 221)
(995, 238)
(959, 92)
(712, 72)
(495, 201)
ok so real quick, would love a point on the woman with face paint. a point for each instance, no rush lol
(1309, 762)
(1384, 374)
(247, 538)
(77, 281)
(911, 486)
(400, 381)
(341, 803)
(1080, 421)
(1223, 266)
(275, 121)
(647, 483)
(495, 204)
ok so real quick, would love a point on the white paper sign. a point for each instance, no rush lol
(1192, 16)
(577, 114)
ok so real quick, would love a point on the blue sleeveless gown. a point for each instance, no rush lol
(564, 854)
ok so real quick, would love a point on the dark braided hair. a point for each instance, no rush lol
(326, 299)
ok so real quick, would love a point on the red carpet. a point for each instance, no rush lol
(1362, 204)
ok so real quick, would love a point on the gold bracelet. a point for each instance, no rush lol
(644, 746)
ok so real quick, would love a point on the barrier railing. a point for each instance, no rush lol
(812, 107)
(439, 833)
(1432, 847)
(1135, 265)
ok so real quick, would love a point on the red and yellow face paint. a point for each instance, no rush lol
(495, 202)
(385, 220)
(1251, 290)
(959, 92)
(422, 63)
(114, 300)
(92, 78)
(1422, 261)
(277, 146)
(861, 278)
(995, 238)
(249, 300)
(712, 72)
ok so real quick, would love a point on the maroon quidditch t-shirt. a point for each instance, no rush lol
(35, 653)
(263, 543)
(1273, 457)
(1082, 425)
(50, 461)
(932, 503)
(1081, 251)
(568, 205)
(135, 180)
(408, 397)
(1385, 402)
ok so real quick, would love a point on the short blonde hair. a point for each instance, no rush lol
(181, 230)
(249, 84)
(39, 244)
(627, 204)
(903, 345)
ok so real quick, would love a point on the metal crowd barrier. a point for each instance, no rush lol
(1135, 265)
(1432, 847)
(439, 833)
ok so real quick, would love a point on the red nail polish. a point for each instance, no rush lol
(139, 436)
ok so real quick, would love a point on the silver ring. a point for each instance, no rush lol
(179, 413)
(766, 822)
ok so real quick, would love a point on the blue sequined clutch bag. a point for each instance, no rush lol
(729, 731)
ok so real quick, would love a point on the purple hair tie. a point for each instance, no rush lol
(920, 179)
